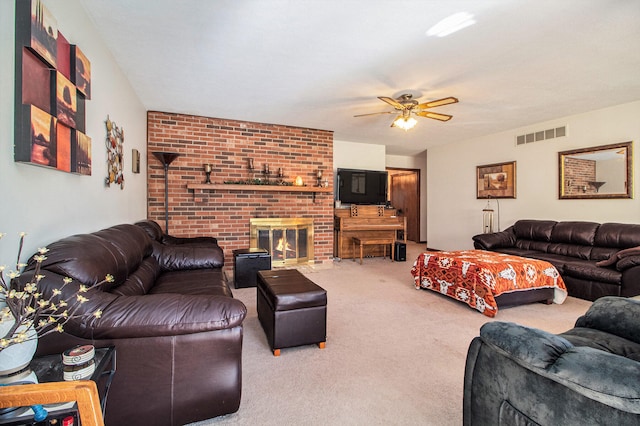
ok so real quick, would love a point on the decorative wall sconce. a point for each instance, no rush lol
(135, 161)
(207, 171)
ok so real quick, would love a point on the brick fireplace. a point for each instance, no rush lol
(228, 145)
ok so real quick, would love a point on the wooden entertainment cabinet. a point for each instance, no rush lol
(365, 221)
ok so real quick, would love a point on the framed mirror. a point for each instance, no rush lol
(598, 172)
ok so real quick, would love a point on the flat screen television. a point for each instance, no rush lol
(362, 186)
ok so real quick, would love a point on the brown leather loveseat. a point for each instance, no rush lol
(593, 259)
(176, 327)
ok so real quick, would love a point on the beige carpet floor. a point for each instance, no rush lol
(394, 356)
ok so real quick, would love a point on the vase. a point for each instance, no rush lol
(17, 356)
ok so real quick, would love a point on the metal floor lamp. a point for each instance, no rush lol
(166, 158)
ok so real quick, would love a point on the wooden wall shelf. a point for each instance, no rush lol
(262, 188)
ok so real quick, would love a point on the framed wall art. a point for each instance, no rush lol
(496, 180)
(53, 82)
(115, 154)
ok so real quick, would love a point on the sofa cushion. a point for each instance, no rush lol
(618, 235)
(152, 229)
(141, 280)
(580, 233)
(130, 246)
(603, 253)
(539, 230)
(75, 256)
(587, 270)
(570, 250)
(534, 246)
(556, 260)
(518, 252)
(192, 282)
(186, 256)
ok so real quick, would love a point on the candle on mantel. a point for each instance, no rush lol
(266, 168)
(319, 174)
(207, 168)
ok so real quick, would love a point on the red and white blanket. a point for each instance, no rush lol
(476, 277)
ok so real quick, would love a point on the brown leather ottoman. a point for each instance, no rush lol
(292, 309)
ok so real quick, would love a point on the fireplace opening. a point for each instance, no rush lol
(288, 240)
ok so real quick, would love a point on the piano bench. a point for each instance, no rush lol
(373, 241)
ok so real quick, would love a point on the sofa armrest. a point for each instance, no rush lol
(154, 315)
(506, 238)
(176, 257)
(614, 315)
(529, 345)
(599, 375)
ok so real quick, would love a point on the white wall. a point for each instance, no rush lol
(49, 204)
(415, 162)
(455, 215)
(362, 156)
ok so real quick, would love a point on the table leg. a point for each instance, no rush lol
(361, 252)
(353, 245)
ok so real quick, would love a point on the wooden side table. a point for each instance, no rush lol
(83, 392)
(49, 371)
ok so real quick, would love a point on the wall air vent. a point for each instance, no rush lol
(541, 135)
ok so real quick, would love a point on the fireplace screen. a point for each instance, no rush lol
(289, 241)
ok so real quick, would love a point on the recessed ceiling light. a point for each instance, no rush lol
(451, 24)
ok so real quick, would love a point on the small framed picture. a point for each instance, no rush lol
(135, 161)
(496, 180)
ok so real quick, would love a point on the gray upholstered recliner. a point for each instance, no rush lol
(516, 375)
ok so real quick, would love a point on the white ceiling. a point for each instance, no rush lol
(317, 63)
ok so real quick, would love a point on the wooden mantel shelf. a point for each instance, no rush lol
(264, 188)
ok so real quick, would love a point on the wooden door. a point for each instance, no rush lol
(405, 198)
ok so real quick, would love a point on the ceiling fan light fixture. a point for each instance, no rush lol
(451, 24)
(405, 123)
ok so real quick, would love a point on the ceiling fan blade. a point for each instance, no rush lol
(439, 102)
(376, 113)
(392, 102)
(434, 115)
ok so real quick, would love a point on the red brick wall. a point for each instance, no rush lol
(227, 144)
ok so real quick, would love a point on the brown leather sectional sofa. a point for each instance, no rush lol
(176, 327)
(594, 260)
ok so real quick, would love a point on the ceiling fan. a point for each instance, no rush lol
(405, 106)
